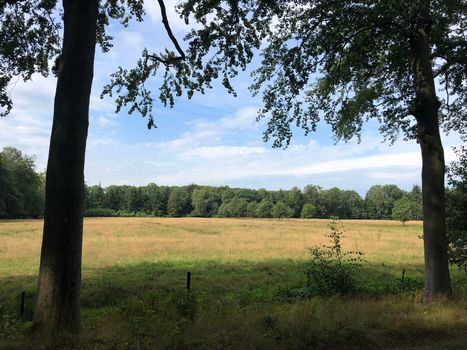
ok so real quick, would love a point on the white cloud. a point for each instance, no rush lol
(29, 134)
(396, 174)
(130, 40)
(153, 10)
(362, 163)
(242, 119)
(35, 96)
(105, 122)
(218, 152)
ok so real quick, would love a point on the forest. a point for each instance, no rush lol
(380, 202)
(23, 197)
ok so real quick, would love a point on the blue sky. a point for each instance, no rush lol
(212, 139)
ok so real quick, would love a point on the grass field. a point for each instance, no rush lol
(247, 276)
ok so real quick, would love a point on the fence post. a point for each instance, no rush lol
(22, 305)
(188, 280)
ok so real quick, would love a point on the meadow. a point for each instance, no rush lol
(248, 277)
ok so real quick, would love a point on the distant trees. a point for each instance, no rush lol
(295, 201)
(157, 199)
(21, 188)
(415, 197)
(282, 211)
(179, 202)
(308, 211)
(380, 200)
(402, 210)
(409, 206)
(264, 209)
(205, 201)
(235, 208)
(251, 209)
(208, 201)
(22, 195)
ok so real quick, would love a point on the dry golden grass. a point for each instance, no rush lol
(111, 241)
(245, 274)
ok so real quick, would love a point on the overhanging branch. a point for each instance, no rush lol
(165, 21)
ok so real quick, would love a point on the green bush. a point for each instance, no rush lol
(100, 212)
(456, 209)
(125, 213)
(330, 269)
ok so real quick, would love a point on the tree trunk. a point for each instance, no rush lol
(425, 109)
(58, 296)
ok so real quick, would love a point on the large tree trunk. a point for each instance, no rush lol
(58, 297)
(425, 109)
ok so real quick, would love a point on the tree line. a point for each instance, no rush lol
(21, 187)
(22, 192)
(380, 202)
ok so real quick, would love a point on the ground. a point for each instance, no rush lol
(248, 286)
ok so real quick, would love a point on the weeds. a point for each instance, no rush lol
(10, 326)
(331, 270)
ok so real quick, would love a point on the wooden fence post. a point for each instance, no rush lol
(22, 305)
(188, 280)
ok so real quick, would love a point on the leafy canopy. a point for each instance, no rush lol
(31, 33)
(341, 61)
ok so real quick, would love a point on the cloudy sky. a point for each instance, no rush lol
(212, 139)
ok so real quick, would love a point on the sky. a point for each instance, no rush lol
(212, 139)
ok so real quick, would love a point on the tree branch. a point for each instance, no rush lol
(172, 37)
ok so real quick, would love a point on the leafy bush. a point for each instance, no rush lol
(331, 270)
(100, 212)
(126, 213)
(456, 208)
(10, 326)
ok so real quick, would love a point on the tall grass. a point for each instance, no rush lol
(247, 276)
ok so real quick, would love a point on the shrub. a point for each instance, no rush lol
(100, 212)
(331, 270)
(126, 213)
(456, 208)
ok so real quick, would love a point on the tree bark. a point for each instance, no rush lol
(425, 109)
(58, 296)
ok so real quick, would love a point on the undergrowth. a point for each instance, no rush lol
(331, 270)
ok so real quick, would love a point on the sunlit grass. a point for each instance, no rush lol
(245, 276)
(110, 241)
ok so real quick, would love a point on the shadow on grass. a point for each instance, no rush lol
(245, 304)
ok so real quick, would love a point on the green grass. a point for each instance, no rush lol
(250, 299)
